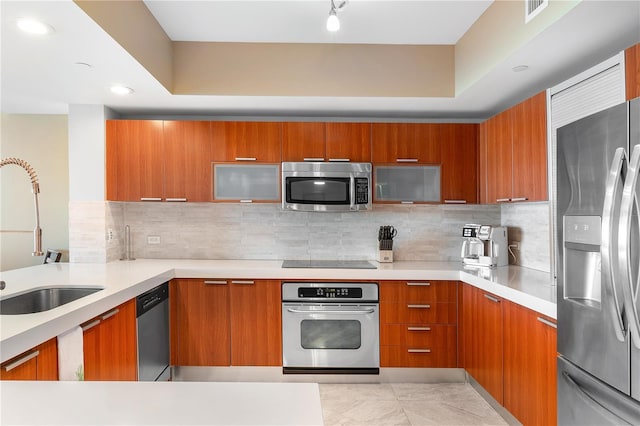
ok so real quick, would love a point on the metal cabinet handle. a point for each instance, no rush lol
(455, 201)
(590, 400)
(419, 351)
(419, 284)
(502, 200)
(176, 200)
(90, 325)
(406, 160)
(19, 362)
(150, 199)
(493, 299)
(245, 158)
(343, 160)
(406, 202)
(313, 159)
(419, 306)
(242, 282)
(304, 311)
(607, 252)
(215, 282)
(519, 199)
(418, 328)
(246, 201)
(547, 322)
(110, 314)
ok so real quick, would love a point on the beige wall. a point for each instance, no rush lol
(41, 140)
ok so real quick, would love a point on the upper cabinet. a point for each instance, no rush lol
(513, 153)
(246, 141)
(306, 141)
(135, 165)
(459, 152)
(405, 143)
(632, 71)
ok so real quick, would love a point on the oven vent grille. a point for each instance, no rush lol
(533, 8)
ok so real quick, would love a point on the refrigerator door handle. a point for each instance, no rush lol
(608, 228)
(590, 400)
(629, 201)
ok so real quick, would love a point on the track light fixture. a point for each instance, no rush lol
(333, 23)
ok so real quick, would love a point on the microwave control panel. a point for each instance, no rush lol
(362, 190)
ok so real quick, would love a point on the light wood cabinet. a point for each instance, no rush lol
(303, 141)
(134, 160)
(187, 163)
(221, 322)
(110, 345)
(632, 71)
(418, 324)
(482, 339)
(530, 388)
(250, 141)
(199, 322)
(514, 149)
(39, 363)
(459, 152)
(401, 143)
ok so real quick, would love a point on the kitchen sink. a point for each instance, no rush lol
(43, 299)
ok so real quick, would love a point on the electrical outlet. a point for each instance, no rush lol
(109, 234)
(153, 239)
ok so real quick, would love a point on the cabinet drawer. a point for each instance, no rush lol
(418, 313)
(437, 356)
(418, 291)
(416, 335)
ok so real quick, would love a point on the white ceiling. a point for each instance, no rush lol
(40, 75)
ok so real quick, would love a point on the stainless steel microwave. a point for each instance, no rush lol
(330, 187)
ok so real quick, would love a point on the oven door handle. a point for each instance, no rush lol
(353, 311)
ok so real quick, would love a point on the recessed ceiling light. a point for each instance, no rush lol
(121, 90)
(33, 26)
(520, 68)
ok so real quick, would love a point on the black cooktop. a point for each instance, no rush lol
(329, 264)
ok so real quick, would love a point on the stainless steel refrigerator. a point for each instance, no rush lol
(598, 241)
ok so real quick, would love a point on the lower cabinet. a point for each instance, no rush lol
(418, 324)
(110, 345)
(222, 322)
(39, 363)
(529, 365)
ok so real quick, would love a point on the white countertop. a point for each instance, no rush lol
(123, 281)
(160, 403)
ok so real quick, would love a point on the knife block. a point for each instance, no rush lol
(385, 256)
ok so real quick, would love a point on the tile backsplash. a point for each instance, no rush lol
(265, 231)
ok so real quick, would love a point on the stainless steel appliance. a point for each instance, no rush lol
(598, 244)
(484, 245)
(330, 327)
(330, 187)
(152, 311)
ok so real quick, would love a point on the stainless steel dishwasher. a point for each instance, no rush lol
(152, 311)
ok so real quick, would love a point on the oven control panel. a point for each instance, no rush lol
(330, 292)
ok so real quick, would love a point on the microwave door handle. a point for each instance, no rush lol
(352, 192)
(608, 217)
(629, 201)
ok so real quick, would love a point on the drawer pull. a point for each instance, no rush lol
(455, 201)
(215, 282)
(419, 284)
(419, 328)
(493, 299)
(313, 159)
(90, 325)
(246, 201)
(150, 199)
(406, 160)
(406, 202)
(19, 362)
(245, 158)
(502, 200)
(547, 322)
(110, 314)
(519, 199)
(243, 282)
(419, 306)
(340, 160)
(419, 351)
(176, 200)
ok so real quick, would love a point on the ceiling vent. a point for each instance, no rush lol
(532, 8)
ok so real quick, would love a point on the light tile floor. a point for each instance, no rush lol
(405, 404)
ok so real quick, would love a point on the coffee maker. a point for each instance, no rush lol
(484, 245)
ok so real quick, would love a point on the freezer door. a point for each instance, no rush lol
(634, 251)
(591, 331)
(583, 400)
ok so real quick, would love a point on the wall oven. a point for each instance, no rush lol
(330, 328)
(317, 186)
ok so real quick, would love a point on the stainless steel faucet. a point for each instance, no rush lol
(128, 252)
(35, 188)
